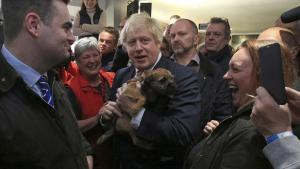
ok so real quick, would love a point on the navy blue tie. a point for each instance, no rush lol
(45, 90)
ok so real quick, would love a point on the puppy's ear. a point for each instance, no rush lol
(147, 82)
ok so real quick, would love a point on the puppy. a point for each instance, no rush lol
(157, 86)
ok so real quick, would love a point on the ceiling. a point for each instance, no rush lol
(245, 16)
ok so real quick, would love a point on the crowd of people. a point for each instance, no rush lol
(56, 103)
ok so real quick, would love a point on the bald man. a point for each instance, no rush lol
(287, 38)
(293, 26)
(216, 101)
(284, 36)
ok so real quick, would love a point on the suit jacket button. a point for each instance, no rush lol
(3, 79)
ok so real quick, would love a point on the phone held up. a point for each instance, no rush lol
(271, 75)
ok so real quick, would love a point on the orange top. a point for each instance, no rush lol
(91, 99)
(67, 74)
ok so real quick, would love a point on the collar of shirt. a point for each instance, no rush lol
(195, 59)
(157, 60)
(28, 74)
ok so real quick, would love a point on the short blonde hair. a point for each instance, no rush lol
(141, 21)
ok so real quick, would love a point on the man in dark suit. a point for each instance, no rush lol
(170, 130)
(217, 102)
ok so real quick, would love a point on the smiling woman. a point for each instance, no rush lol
(241, 76)
(244, 71)
(235, 143)
(91, 86)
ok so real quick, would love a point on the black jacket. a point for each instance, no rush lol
(235, 143)
(32, 134)
(85, 18)
(107, 60)
(216, 96)
(120, 59)
(222, 57)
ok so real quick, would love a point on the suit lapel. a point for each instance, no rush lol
(129, 75)
(161, 63)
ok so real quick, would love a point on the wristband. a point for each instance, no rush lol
(100, 120)
(277, 136)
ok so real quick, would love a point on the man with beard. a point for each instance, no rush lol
(216, 100)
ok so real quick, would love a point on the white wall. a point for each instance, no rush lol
(120, 8)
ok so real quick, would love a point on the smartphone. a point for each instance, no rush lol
(271, 74)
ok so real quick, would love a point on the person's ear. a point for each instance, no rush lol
(228, 39)
(294, 52)
(33, 23)
(196, 39)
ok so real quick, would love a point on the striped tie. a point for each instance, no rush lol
(45, 90)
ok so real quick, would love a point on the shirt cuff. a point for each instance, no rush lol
(277, 136)
(136, 120)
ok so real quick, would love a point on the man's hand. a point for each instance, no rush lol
(123, 125)
(130, 99)
(293, 97)
(269, 117)
(210, 126)
(109, 110)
